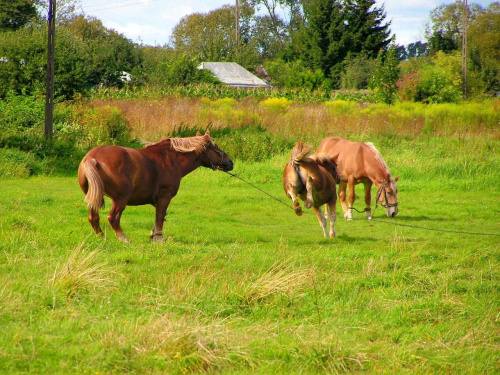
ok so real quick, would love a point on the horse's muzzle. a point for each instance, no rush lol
(227, 166)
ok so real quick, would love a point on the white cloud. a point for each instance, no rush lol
(147, 34)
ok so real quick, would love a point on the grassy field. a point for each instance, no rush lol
(242, 285)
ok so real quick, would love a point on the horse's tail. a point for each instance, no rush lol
(300, 152)
(95, 193)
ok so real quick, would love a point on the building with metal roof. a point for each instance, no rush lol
(233, 74)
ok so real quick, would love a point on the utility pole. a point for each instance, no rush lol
(237, 24)
(49, 96)
(465, 14)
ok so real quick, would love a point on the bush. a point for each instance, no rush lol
(16, 163)
(248, 143)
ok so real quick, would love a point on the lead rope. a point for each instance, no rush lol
(376, 220)
(265, 192)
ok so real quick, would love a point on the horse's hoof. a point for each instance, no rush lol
(157, 238)
(308, 204)
(298, 212)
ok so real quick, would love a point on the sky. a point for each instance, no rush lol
(151, 21)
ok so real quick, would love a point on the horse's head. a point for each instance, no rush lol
(213, 157)
(387, 195)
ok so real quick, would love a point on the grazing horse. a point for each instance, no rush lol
(359, 162)
(151, 175)
(312, 178)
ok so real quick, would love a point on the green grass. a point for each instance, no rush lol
(243, 285)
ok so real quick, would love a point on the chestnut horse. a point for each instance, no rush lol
(312, 178)
(359, 162)
(151, 175)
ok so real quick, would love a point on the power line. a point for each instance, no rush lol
(111, 6)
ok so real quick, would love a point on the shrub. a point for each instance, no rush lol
(276, 104)
(15, 163)
(440, 81)
(341, 107)
(105, 125)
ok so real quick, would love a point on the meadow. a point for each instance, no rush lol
(242, 285)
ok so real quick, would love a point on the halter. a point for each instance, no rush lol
(379, 193)
(221, 153)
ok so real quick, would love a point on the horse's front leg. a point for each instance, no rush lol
(342, 198)
(161, 211)
(309, 197)
(368, 199)
(350, 198)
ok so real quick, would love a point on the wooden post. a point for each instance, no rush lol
(465, 13)
(237, 23)
(49, 96)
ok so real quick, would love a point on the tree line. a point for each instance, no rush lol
(313, 45)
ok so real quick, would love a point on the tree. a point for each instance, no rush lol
(23, 69)
(335, 30)
(444, 31)
(484, 47)
(107, 52)
(386, 75)
(14, 14)
(366, 23)
(212, 36)
(65, 9)
(278, 28)
(323, 41)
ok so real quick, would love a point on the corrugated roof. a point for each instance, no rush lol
(233, 74)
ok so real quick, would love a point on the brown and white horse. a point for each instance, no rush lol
(359, 162)
(312, 178)
(151, 175)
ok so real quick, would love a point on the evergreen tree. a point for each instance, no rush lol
(338, 29)
(366, 24)
(324, 39)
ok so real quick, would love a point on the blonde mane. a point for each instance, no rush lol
(190, 144)
(377, 154)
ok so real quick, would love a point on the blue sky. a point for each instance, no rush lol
(151, 21)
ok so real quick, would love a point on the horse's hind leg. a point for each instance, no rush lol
(114, 219)
(321, 219)
(331, 209)
(94, 222)
(292, 193)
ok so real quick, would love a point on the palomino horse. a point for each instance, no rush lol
(312, 179)
(361, 163)
(150, 175)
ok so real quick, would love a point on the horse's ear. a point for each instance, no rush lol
(207, 135)
(397, 178)
(198, 134)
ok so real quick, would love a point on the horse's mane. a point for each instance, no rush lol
(195, 144)
(377, 154)
(300, 152)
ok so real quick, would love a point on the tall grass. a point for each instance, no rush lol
(282, 116)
